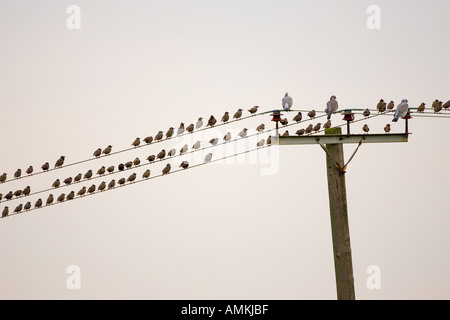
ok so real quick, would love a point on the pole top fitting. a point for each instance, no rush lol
(276, 116)
(348, 115)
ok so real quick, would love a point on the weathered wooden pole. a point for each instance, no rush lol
(339, 220)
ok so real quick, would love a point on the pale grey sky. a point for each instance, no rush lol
(222, 231)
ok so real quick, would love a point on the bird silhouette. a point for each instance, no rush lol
(214, 141)
(107, 150)
(151, 158)
(253, 110)
(132, 178)
(261, 128)
(5, 212)
(136, 142)
(60, 162)
(18, 173)
(38, 203)
(190, 128)
(298, 117)
(97, 153)
(137, 162)
(327, 124)
(110, 169)
(148, 140)
(61, 198)
(56, 184)
(112, 184)
(27, 206)
(184, 149)
(312, 114)
(309, 129)
(70, 196)
(88, 175)
(30, 170)
(366, 113)
(159, 136)
(421, 108)
(238, 114)
(169, 133)
(50, 200)
(146, 174)
(211, 122)
(261, 143)
(45, 166)
(243, 133)
(82, 192)
(381, 106)
(77, 177)
(366, 128)
(91, 189)
(68, 181)
(3, 178)
(166, 170)
(172, 152)
(227, 136)
(162, 154)
(26, 191)
(196, 145)
(226, 117)
(101, 171)
(18, 208)
(300, 132)
(121, 181)
(390, 105)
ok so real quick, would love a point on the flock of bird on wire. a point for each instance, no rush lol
(287, 103)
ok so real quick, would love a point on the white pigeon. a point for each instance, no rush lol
(402, 110)
(287, 102)
(332, 106)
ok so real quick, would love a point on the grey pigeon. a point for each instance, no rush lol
(332, 106)
(402, 110)
(287, 102)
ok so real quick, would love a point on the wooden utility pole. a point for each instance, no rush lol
(339, 220)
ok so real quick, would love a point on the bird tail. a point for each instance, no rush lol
(395, 119)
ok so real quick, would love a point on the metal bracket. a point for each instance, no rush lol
(338, 166)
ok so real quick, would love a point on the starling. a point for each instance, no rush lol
(18, 208)
(107, 150)
(317, 127)
(121, 181)
(284, 122)
(166, 170)
(196, 145)
(59, 163)
(390, 105)
(366, 128)
(172, 152)
(211, 122)
(261, 128)
(208, 157)
(26, 191)
(286, 133)
(437, 107)
(88, 175)
(1, 196)
(332, 106)
(70, 196)
(298, 117)
(300, 132)
(381, 106)
(38, 203)
(169, 133)
(446, 105)
(243, 133)
(49, 200)
(91, 189)
(184, 149)
(45, 166)
(146, 174)
(101, 171)
(82, 192)
(253, 110)
(312, 114)
(136, 142)
(121, 167)
(190, 128)
(366, 113)
(327, 124)
(148, 140)
(199, 123)
(56, 184)
(128, 164)
(226, 117)
(132, 178)
(61, 198)
(9, 195)
(102, 186)
(18, 173)
(261, 143)
(180, 129)
(18, 193)
(151, 158)
(269, 140)
(162, 154)
(77, 177)
(238, 114)
(309, 129)
(159, 136)
(3, 178)
(137, 162)
(421, 108)
(5, 212)
(110, 169)
(287, 102)
(227, 137)
(97, 153)
(30, 170)
(68, 181)
(27, 206)
(387, 128)
(184, 165)
(214, 141)
(111, 184)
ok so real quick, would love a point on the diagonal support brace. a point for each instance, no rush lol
(338, 166)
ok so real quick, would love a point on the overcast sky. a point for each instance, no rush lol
(222, 231)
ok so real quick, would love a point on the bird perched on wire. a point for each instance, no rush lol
(387, 128)
(101, 171)
(261, 128)
(312, 114)
(70, 196)
(128, 164)
(146, 174)
(26, 191)
(309, 129)
(214, 141)
(366, 128)
(161, 154)
(402, 110)
(381, 106)
(27, 206)
(446, 105)
(190, 128)
(390, 105)
(211, 122)
(166, 170)
(159, 136)
(284, 122)
(327, 124)
(208, 157)
(29, 170)
(91, 189)
(238, 114)
(56, 184)
(438, 107)
(287, 102)
(50, 200)
(18, 193)
(97, 153)
(253, 110)
(172, 152)
(9, 195)
(5, 212)
(18, 173)
(180, 129)
(107, 150)
(61, 198)
(300, 132)
(77, 177)
(110, 169)
(148, 140)
(421, 108)
(88, 175)
(169, 133)
(112, 184)
(227, 136)
(38, 203)
(3, 178)
(45, 166)
(196, 145)
(184, 149)
(366, 113)
(132, 178)
(137, 162)
(261, 143)
(332, 106)
(199, 123)
(82, 192)
(433, 105)
(1, 196)
(121, 181)
(136, 142)
(298, 117)
(269, 140)
(60, 162)
(18, 208)
(286, 133)
(184, 165)
(226, 117)
(243, 133)
(151, 158)
(317, 127)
